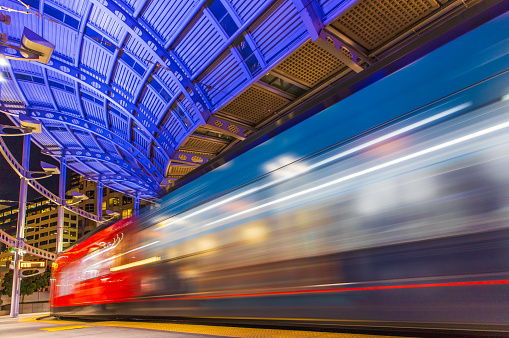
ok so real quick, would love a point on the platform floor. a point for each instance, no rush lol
(28, 325)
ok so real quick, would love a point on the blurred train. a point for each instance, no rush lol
(407, 225)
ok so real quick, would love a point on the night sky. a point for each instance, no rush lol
(9, 180)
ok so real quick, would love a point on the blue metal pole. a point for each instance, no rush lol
(61, 211)
(20, 230)
(99, 200)
(136, 206)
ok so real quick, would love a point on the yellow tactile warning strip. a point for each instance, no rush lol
(225, 331)
(60, 328)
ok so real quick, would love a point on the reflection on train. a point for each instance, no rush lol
(408, 224)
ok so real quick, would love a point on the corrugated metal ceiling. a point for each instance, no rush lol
(155, 77)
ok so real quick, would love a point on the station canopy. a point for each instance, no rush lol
(139, 93)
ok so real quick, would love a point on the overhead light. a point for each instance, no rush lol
(30, 123)
(50, 168)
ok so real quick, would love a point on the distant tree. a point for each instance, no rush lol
(29, 285)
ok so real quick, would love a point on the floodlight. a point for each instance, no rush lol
(29, 123)
(112, 213)
(77, 196)
(49, 168)
(35, 43)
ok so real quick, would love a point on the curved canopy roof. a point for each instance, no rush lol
(138, 93)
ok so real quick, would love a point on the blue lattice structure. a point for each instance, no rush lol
(139, 93)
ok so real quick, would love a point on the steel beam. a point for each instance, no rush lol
(311, 15)
(189, 158)
(32, 250)
(332, 45)
(226, 127)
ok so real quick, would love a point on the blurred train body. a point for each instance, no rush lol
(407, 224)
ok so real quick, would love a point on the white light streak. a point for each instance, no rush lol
(366, 171)
(125, 253)
(138, 263)
(321, 163)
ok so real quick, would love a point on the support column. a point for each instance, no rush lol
(61, 210)
(99, 200)
(136, 206)
(20, 230)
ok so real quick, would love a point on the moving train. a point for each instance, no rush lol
(405, 225)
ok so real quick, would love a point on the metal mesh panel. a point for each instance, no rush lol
(179, 170)
(254, 104)
(197, 143)
(310, 64)
(372, 22)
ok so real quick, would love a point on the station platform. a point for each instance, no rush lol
(43, 325)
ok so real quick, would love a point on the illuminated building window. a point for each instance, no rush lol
(114, 201)
(104, 205)
(127, 213)
(127, 200)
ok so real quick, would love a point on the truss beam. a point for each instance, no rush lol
(163, 56)
(92, 155)
(113, 95)
(226, 127)
(97, 130)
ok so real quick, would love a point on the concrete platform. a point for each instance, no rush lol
(41, 325)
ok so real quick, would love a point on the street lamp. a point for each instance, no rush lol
(33, 48)
(112, 214)
(77, 197)
(28, 125)
(47, 171)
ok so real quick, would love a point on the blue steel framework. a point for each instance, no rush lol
(139, 93)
